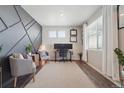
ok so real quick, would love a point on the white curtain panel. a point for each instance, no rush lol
(110, 42)
(84, 42)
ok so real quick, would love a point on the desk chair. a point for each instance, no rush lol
(63, 53)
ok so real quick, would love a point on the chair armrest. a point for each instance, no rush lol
(21, 67)
(24, 60)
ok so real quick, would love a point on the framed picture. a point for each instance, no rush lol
(120, 16)
(73, 32)
(73, 38)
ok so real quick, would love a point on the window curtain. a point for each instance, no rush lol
(110, 42)
(84, 57)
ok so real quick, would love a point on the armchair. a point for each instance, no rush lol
(44, 55)
(20, 67)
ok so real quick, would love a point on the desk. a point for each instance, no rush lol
(70, 55)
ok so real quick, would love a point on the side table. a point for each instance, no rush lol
(35, 58)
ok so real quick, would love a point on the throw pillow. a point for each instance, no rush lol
(18, 55)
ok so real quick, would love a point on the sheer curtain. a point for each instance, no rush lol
(84, 57)
(110, 42)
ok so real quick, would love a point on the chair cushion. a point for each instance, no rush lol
(25, 55)
(29, 57)
(43, 53)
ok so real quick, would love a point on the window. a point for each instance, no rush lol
(52, 34)
(99, 24)
(94, 31)
(61, 34)
(56, 34)
(92, 35)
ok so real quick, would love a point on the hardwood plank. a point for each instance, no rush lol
(99, 80)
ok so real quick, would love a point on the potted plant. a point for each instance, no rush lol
(120, 56)
(29, 49)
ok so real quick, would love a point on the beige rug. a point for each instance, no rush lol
(61, 75)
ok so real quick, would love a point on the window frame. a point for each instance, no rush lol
(54, 33)
(58, 34)
(97, 33)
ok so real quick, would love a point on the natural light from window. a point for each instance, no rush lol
(61, 34)
(94, 34)
(57, 34)
(52, 34)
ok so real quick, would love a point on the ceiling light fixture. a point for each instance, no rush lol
(61, 14)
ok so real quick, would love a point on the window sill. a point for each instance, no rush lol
(94, 49)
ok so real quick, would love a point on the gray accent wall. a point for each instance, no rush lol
(17, 30)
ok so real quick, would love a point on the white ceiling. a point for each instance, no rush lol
(61, 15)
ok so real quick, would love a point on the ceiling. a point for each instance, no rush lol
(61, 15)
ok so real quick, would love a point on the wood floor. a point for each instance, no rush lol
(97, 78)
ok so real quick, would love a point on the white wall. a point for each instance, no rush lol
(95, 59)
(121, 39)
(49, 43)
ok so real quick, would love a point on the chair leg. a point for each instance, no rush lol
(15, 82)
(40, 63)
(33, 77)
(45, 61)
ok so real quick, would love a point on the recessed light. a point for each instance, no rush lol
(61, 14)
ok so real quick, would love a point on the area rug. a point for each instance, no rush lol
(61, 75)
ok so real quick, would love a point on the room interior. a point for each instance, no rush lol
(35, 39)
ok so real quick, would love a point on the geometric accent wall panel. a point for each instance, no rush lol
(26, 18)
(10, 37)
(31, 24)
(8, 14)
(20, 47)
(13, 36)
(38, 41)
(2, 26)
(34, 31)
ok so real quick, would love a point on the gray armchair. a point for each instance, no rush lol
(44, 55)
(20, 67)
